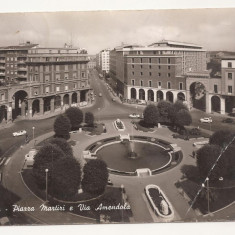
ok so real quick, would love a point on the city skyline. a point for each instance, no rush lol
(97, 30)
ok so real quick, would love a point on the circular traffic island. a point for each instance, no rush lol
(128, 156)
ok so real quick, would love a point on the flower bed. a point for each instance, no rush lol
(159, 202)
(119, 125)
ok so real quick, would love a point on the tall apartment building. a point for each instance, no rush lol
(35, 80)
(103, 61)
(157, 71)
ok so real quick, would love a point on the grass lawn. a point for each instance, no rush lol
(111, 196)
(98, 129)
(221, 193)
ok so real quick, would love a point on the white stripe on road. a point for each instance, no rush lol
(7, 161)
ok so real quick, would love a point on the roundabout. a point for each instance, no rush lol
(127, 156)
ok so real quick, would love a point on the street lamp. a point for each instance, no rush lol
(122, 187)
(33, 131)
(46, 170)
(208, 199)
(98, 114)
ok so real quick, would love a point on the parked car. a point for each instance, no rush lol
(110, 182)
(113, 99)
(228, 120)
(100, 94)
(134, 115)
(206, 120)
(19, 133)
(141, 102)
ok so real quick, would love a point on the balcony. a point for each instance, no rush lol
(22, 76)
(21, 69)
(56, 60)
(2, 74)
(2, 61)
(2, 67)
(21, 61)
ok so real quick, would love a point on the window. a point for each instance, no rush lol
(168, 85)
(169, 60)
(132, 60)
(159, 84)
(133, 66)
(159, 67)
(230, 75)
(83, 75)
(141, 73)
(141, 83)
(47, 59)
(57, 77)
(66, 87)
(132, 82)
(133, 73)
(74, 85)
(159, 74)
(150, 60)
(47, 78)
(215, 88)
(150, 83)
(2, 96)
(35, 92)
(47, 68)
(159, 61)
(74, 67)
(141, 60)
(141, 66)
(229, 64)
(169, 67)
(150, 73)
(57, 88)
(181, 85)
(74, 75)
(47, 89)
(150, 66)
(66, 67)
(168, 75)
(57, 67)
(230, 89)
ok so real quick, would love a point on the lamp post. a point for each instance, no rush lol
(98, 114)
(33, 131)
(122, 187)
(46, 170)
(208, 194)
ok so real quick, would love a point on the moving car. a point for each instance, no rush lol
(141, 102)
(100, 94)
(19, 133)
(134, 115)
(206, 120)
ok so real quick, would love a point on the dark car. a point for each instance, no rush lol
(228, 120)
(232, 114)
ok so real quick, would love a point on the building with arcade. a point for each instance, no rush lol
(35, 80)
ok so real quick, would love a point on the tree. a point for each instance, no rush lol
(62, 127)
(65, 178)
(183, 118)
(176, 107)
(207, 157)
(45, 159)
(75, 116)
(95, 177)
(63, 145)
(151, 115)
(89, 118)
(164, 109)
(222, 137)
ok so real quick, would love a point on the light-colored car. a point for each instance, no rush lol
(134, 115)
(206, 119)
(100, 94)
(141, 102)
(19, 133)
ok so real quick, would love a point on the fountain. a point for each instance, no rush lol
(132, 154)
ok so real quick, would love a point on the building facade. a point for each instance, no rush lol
(155, 72)
(35, 80)
(103, 61)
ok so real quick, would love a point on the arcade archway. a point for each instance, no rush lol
(150, 95)
(133, 93)
(215, 104)
(181, 96)
(159, 96)
(141, 94)
(169, 96)
(35, 107)
(74, 98)
(198, 95)
(20, 106)
(66, 99)
(3, 113)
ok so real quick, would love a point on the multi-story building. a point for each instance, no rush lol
(92, 62)
(35, 80)
(157, 71)
(103, 61)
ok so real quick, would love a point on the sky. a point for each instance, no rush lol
(97, 30)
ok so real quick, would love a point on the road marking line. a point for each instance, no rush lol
(7, 161)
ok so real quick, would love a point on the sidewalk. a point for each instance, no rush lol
(13, 181)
